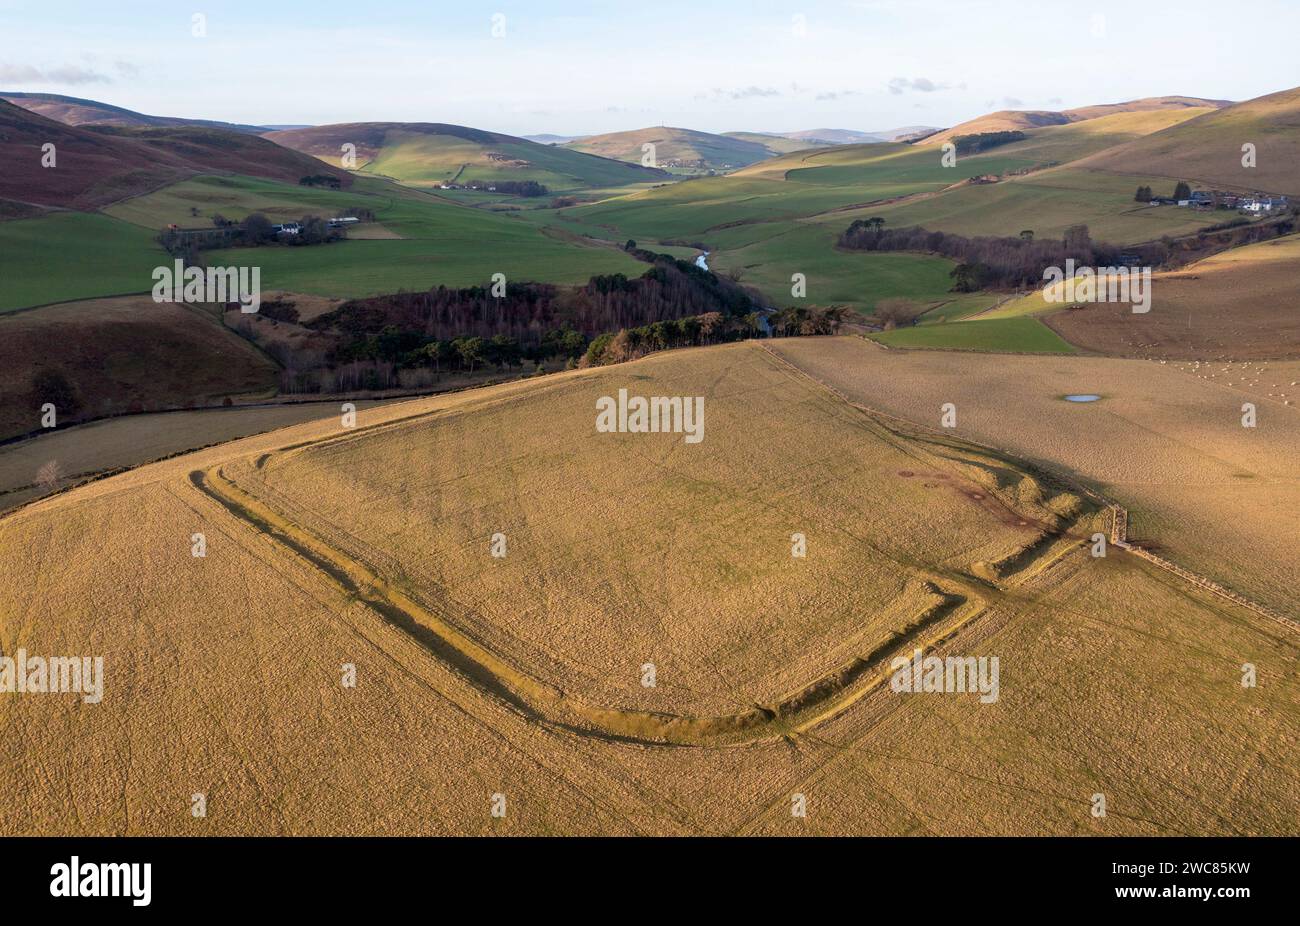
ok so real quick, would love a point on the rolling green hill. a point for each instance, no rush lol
(431, 154)
(73, 255)
(1209, 148)
(417, 241)
(1046, 203)
(783, 215)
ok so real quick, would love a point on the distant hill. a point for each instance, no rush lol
(816, 138)
(1064, 144)
(71, 110)
(1208, 148)
(1144, 105)
(905, 132)
(429, 154)
(776, 144)
(677, 148)
(835, 136)
(546, 139)
(97, 165)
(1002, 121)
(1020, 120)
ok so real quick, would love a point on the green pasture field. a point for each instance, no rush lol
(233, 197)
(834, 277)
(1020, 335)
(959, 306)
(74, 255)
(464, 254)
(421, 160)
(922, 167)
(1046, 203)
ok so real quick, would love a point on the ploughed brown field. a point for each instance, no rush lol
(523, 676)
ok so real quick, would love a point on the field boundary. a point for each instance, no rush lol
(1118, 514)
(1119, 538)
(821, 699)
(941, 605)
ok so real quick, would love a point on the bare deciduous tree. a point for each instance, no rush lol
(892, 313)
(49, 476)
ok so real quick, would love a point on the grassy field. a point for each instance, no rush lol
(1101, 688)
(744, 612)
(449, 254)
(1238, 305)
(441, 243)
(856, 280)
(419, 241)
(72, 255)
(1064, 143)
(910, 166)
(700, 208)
(1217, 497)
(426, 154)
(1046, 203)
(960, 305)
(1017, 335)
(784, 214)
(422, 159)
(234, 198)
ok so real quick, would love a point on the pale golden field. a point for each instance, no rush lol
(521, 676)
(632, 549)
(1216, 497)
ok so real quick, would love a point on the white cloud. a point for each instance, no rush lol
(746, 93)
(920, 85)
(16, 74)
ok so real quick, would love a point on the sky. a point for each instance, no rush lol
(575, 67)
